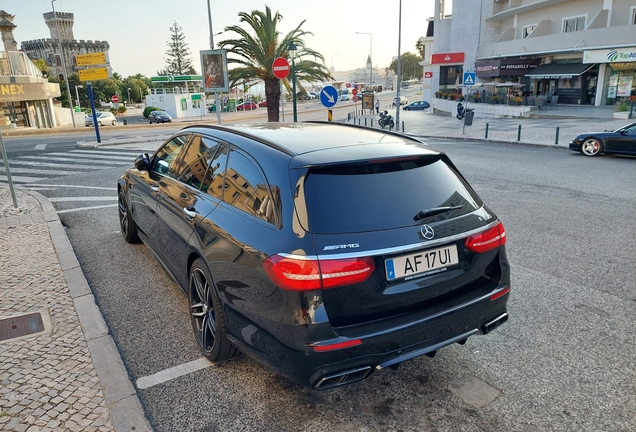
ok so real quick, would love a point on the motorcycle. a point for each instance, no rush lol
(386, 120)
(461, 111)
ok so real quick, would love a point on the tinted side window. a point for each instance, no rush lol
(213, 179)
(196, 159)
(167, 157)
(246, 188)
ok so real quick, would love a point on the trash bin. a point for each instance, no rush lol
(468, 120)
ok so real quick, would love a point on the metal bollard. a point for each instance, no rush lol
(402, 126)
(371, 122)
(365, 121)
(556, 139)
(486, 136)
(519, 134)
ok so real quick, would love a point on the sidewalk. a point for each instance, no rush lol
(59, 368)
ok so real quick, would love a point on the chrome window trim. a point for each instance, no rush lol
(393, 250)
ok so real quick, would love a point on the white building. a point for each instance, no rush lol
(584, 51)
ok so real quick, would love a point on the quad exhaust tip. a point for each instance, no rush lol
(494, 323)
(343, 378)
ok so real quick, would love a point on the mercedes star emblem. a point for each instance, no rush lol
(427, 232)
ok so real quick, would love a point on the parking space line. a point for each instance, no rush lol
(172, 373)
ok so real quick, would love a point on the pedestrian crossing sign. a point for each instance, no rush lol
(469, 78)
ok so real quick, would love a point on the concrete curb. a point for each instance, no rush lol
(126, 411)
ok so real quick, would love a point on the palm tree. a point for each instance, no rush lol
(256, 53)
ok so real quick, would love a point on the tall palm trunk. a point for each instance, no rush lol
(272, 95)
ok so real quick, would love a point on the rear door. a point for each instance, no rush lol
(379, 210)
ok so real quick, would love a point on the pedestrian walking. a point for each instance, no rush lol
(377, 106)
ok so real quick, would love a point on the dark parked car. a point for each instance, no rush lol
(417, 105)
(159, 117)
(246, 106)
(621, 141)
(324, 251)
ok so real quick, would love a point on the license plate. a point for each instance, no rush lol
(421, 263)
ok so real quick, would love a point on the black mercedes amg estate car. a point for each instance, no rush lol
(324, 251)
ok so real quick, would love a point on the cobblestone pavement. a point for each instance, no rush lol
(49, 380)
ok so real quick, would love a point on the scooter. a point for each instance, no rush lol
(386, 120)
(461, 111)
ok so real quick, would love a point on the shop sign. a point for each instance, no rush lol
(610, 56)
(504, 68)
(26, 92)
(447, 58)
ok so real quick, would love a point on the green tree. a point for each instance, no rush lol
(256, 52)
(179, 61)
(411, 68)
(421, 49)
(41, 64)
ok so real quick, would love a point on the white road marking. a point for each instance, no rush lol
(66, 159)
(40, 147)
(32, 171)
(19, 179)
(76, 186)
(172, 373)
(106, 152)
(73, 199)
(56, 165)
(94, 156)
(86, 208)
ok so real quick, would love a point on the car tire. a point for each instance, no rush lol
(406, 109)
(114, 122)
(592, 147)
(206, 313)
(99, 123)
(127, 225)
(150, 122)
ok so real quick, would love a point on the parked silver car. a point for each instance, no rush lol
(103, 118)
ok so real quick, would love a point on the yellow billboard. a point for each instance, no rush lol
(93, 74)
(98, 58)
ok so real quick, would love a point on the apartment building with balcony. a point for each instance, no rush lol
(584, 51)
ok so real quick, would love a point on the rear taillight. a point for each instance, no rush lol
(337, 346)
(487, 240)
(299, 274)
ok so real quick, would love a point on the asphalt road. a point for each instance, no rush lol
(564, 360)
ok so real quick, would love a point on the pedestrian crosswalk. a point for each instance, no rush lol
(41, 166)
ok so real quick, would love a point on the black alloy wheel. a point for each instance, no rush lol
(208, 319)
(126, 223)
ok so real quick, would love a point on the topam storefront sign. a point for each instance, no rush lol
(621, 55)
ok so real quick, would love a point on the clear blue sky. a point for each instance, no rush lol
(138, 30)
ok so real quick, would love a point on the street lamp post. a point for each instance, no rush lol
(128, 94)
(293, 52)
(77, 94)
(399, 70)
(369, 62)
(59, 41)
(216, 94)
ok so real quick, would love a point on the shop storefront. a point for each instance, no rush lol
(451, 70)
(574, 83)
(27, 104)
(617, 73)
(507, 70)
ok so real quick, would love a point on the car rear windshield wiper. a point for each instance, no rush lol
(435, 210)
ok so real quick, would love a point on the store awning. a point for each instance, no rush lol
(559, 70)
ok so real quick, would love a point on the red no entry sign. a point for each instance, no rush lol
(280, 67)
(115, 99)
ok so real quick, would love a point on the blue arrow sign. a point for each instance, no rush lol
(328, 96)
(470, 78)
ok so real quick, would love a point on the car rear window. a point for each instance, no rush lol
(383, 195)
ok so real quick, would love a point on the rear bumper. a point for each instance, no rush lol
(392, 346)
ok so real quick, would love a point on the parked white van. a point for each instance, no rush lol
(345, 94)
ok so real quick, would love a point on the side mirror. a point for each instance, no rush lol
(142, 162)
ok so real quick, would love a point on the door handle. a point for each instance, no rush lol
(190, 213)
(154, 188)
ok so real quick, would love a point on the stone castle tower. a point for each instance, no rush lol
(61, 27)
(6, 29)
